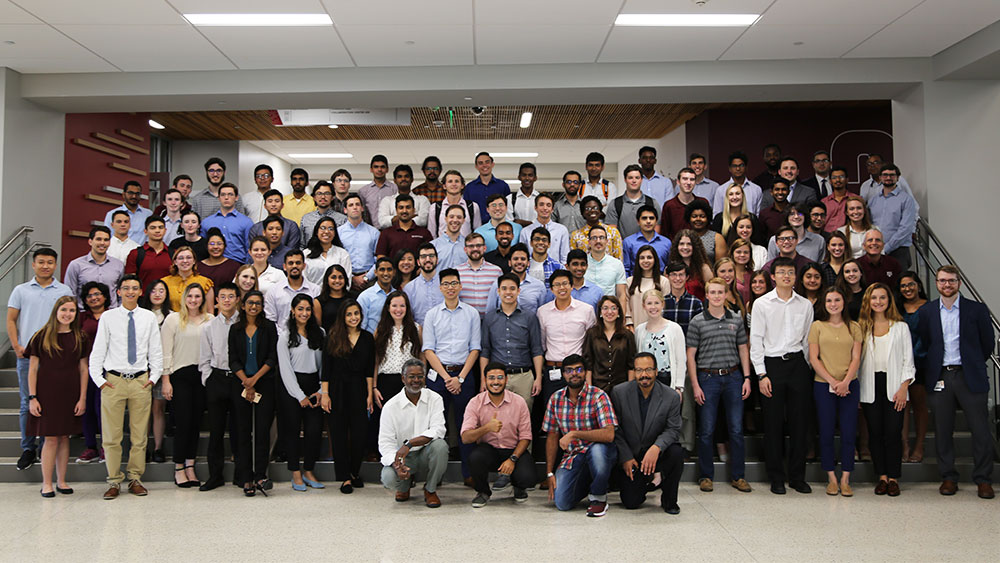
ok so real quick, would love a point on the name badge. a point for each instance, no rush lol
(432, 375)
(939, 386)
(555, 374)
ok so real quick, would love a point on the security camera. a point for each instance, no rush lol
(478, 110)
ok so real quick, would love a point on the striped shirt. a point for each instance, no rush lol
(716, 340)
(476, 283)
(591, 411)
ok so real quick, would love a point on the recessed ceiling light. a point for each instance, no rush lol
(333, 126)
(9, 42)
(687, 20)
(513, 154)
(321, 155)
(411, 42)
(468, 98)
(155, 125)
(258, 20)
(797, 43)
(525, 119)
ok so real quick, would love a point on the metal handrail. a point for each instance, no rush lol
(22, 231)
(17, 261)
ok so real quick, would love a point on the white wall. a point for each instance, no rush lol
(671, 155)
(31, 164)
(909, 145)
(188, 157)
(250, 156)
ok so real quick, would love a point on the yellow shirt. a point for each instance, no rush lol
(294, 209)
(176, 285)
(835, 346)
(580, 240)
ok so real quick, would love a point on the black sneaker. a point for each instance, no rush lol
(502, 482)
(480, 500)
(26, 460)
(520, 495)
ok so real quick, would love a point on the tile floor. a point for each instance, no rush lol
(185, 525)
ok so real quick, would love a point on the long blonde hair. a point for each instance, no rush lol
(866, 319)
(49, 334)
(184, 308)
(256, 279)
(731, 286)
(727, 221)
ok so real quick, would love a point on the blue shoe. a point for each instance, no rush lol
(313, 484)
(296, 487)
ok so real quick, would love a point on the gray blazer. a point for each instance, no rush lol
(801, 193)
(663, 420)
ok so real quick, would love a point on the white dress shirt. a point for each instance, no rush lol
(271, 277)
(402, 420)
(214, 346)
(118, 249)
(387, 210)
(779, 327)
(316, 267)
(278, 300)
(524, 206)
(110, 351)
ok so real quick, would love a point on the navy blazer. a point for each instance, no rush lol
(975, 342)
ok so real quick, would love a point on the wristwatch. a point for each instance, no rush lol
(761, 377)
(406, 443)
(30, 397)
(551, 474)
(513, 458)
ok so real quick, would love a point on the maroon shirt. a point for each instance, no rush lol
(672, 217)
(886, 271)
(773, 219)
(393, 239)
(154, 265)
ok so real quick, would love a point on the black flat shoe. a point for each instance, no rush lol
(210, 485)
(357, 482)
(346, 488)
(66, 491)
(50, 494)
(778, 487)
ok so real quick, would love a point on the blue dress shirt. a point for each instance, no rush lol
(360, 243)
(137, 227)
(234, 227)
(452, 333)
(477, 191)
(423, 295)
(632, 244)
(532, 297)
(371, 301)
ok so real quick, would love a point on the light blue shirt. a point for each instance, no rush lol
(558, 238)
(450, 253)
(234, 227)
(423, 295)
(587, 293)
(659, 187)
(34, 304)
(371, 301)
(489, 233)
(632, 244)
(452, 333)
(605, 273)
(172, 230)
(360, 243)
(950, 332)
(137, 228)
(751, 193)
(532, 296)
(706, 189)
(896, 216)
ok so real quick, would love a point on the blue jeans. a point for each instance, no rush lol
(27, 442)
(831, 410)
(456, 405)
(588, 477)
(727, 389)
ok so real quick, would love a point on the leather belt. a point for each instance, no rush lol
(514, 370)
(224, 372)
(553, 364)
(787, 357)
(718, 372)
(127, 375)
(453, 368)
(954, 367)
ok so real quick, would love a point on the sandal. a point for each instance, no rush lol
(192, 482)
(184, 484)
(249, 489)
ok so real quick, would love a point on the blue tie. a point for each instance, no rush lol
(131, 338)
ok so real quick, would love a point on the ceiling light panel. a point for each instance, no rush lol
(258, 20)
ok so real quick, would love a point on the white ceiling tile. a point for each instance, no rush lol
(689, 7)
(248, 6)
(39, 48)
(149, 47)
(299, 47)
(385, 45)
(815, 12)
(11, 14)
(393, 12)
(104, 11)
(555, 12)
(538, 44)
(654, 44)
(913, 40)
(947, 12)
(764, 41)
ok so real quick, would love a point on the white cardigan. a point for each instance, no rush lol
(678, 357)
(901, 367)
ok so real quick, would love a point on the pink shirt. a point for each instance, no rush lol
(563, 331)
(476, 284)
(836, 213)
(512, 413)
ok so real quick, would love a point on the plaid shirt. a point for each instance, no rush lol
(549, 266)
(592, 411)
(682, 310)
(434, 194)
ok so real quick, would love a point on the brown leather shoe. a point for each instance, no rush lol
(112, 492)
(948, 488)
(431, 499)
(402, 496)
(882, 487)
(985, 490)
(741, 485)
(136, 488)
(468, 482)
(893, 489)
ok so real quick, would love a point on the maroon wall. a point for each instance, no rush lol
(800, 131)
(86, 171)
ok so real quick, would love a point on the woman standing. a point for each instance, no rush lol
(267, 275)
(852, 281)
(397, 339)
(217, 267)
(183, 273)
(734, 209)
(859, 222)
(648, 275)
(609, 347)
(835, 355)
(324, 250)
(156, 298)
(664, 339)
(743, 265)
(181, 333)
(747, 227)
(191, 227)
(96, 297)
(811, 283)
(253, 357)
(911, 289)
(333, 295)
(406, 268)
(300, 358)
(698, 214)
(348, 379)
(838, 251)
(57, 389)
(687, 248)
(245, 280)
(886, 373)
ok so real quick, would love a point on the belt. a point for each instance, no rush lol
(224, 372)
(955, 367)
(787, 357)
(514, 370)
(127, 375)
(718, 372)
(453, 368)
(553, 364)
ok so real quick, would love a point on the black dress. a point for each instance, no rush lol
(330, 306)
(200, 247)
(348, 384)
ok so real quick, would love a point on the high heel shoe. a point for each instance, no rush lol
(249, 490)
(192, 482)
(181, 484)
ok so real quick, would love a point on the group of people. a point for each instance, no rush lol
(624, 330)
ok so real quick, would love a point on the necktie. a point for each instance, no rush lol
(131, 338)
(822, 191)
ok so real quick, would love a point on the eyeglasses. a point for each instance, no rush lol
(474, 245)
(910, 285)
(819, 160)
(644, 371)
(559, 285)
(216, 171)
(572, 182)
(263, 176)
(318, 194)
(326, 228)
(495, 377)
(573, 371)
(598, 237)
(254, 304)
(133, 193)
(433, 168)
(451, 284)
(948, 281)
(785, 239)
(216, 243)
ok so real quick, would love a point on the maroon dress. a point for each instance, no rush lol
(58, 387)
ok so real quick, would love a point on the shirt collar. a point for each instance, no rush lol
(953, 307)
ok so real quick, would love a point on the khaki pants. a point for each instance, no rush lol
(520, 384)
(131, 394)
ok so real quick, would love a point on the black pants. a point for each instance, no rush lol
(280, 406)
(791, 396)
(549, 388)
(485, 458)
(349, 426)
(885, 425)
(670, 465)
(222, 393)
(253, 436)
(389, 384)
(187, 404)
(945, 402)
(308, 420)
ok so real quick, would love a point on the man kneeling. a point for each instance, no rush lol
(406, 457)
(580, 421)
(649, 415)
(500, 422)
